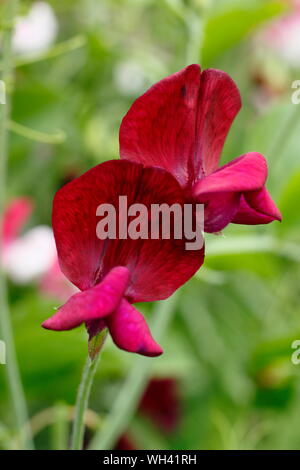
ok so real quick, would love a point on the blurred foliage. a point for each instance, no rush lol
(230, 343)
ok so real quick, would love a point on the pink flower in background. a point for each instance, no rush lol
(282, 35)
(55, 284)
(31, 256)
(15, 217)
(114, 273)
(180, 124)
(36, 31)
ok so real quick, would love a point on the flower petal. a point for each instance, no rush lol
(94, 303)
(15, 217)
(181, 123)
(130, 331)
(245, 173)
(219, 103)
(219, 210)
(157, 267)
(256, 207)
(221, 191)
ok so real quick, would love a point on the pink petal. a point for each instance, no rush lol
(130, 332)
(158, 267)
(221, 191)
(181, 123)
(256, 207)
(15, 217)
(246, 173)
(94, 303)
(219, 210)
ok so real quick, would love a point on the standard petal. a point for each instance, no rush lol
(158, 267)
(256, 207)
(219, 103)
(181, 123)
(94, 303)
(130, 331)
(159, 128)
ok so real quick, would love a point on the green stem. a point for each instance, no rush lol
(37, 136)
(131, 392)
(58, 49)
(12, 371)
(82, 401)
(136, 382)
(60, 427)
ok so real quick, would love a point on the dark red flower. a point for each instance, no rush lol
(114, 273)
(180, 124)
(125, 442)
(161, 403)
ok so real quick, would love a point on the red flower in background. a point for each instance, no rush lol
(161, 403)
(180, 124)
(113, 274)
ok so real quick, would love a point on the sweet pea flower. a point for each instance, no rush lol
(282, 36)
(36, 31)
(180, 124)
(161, 405)
(31, 256)
(54, 284)
(26, 256)
(15, 217)
(114, 273)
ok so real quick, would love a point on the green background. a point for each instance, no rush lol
(229, 342)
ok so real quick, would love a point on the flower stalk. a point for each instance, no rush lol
(11, 368)
(84, 390)
(134, 386)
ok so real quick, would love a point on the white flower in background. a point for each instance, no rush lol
(129, 78)
(36, 31)
(30, 255)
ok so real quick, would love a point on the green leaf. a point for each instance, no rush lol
(289, 206)
(228, 27)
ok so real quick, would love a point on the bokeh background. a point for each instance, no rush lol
(226, 379)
